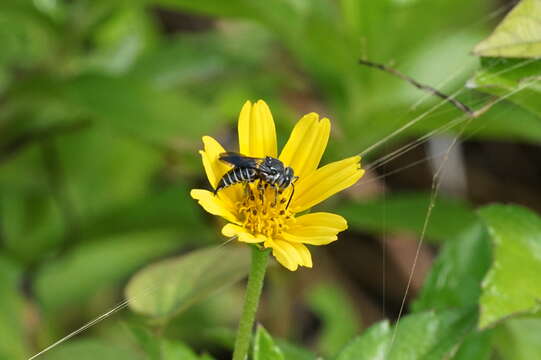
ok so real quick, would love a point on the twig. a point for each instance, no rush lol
(458, 104)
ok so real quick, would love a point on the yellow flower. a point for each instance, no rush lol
(256, 215)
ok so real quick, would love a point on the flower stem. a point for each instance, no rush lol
(251, 300)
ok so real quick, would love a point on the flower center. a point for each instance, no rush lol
(263, 210)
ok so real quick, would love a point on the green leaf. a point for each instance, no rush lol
(372, 345)
(340, 322)
(422, 336)
(12, 337)
(91, 349)
(477, 345)
(407, 212)
(292, 351)
(455, 278)
(518, 35)
(264, 346)
(169, 208)
(179, 282)
(123, 36)
(94, 266)
(515, 79)
(174, 350)
(518, 339)
(134, 106)
(31, 221)
(117, 169)
(159, 348)
(512, 284)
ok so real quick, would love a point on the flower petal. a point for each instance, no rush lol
(257, 134)
(214, 204)
(306, 145)
(325, 182)
(290, 255)
(284, 253)
(315, 229)
(214, 168)
(242, 234)
(304, 253)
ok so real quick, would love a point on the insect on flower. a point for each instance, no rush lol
(269, 171)
(261, 193)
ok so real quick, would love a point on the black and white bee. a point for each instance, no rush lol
(246, 169)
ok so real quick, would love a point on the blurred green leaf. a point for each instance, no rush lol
(133, 106)
(32, 221)
(12, 340)
(160, 348)
(422, 336)
(25, 34)
(292, 351)
(264, 346)
(518, 35)
(455, 277)
(512, 284)
(477, 345)
(518, 339)
(340, 321)
(121, 39)
(207, 323)
(117, 170)
(173, 350)
(515, 79)
(90, 267)
(371, 345)
(147, 341)
(407, 212)
(171, 208)
(179, 282)
(91, 349)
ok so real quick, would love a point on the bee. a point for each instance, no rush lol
(246, 169)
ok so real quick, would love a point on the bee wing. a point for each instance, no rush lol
(239, 160)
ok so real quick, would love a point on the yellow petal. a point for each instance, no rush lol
(304, 254)
(257, 134)
(242, 234)
(325, 182)
(284, 253)
(214, 168)
(319, 228)
(290, 255)
(306, 144)
(214, 204)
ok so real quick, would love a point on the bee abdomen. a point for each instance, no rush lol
(235, 176)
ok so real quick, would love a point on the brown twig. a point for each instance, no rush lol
(458, 104)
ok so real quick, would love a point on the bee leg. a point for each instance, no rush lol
(275, 196)
(291, 196)
(247, 190)
(261, 189)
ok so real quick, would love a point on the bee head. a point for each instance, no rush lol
(289, 176)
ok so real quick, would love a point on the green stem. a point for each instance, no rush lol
(251, 300)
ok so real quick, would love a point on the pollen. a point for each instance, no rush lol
(265, 213)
